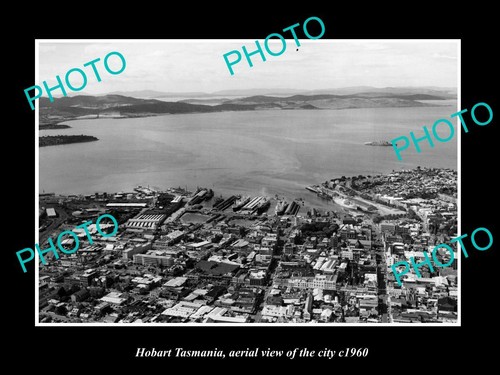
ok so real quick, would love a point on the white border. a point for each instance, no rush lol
(249, 325)
(37, 187)
(459, 181)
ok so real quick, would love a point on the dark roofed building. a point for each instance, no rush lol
(214, 293)
(447, 304)
(216, 268)
(81, 295)
(275, 300)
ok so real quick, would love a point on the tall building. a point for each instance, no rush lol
(308, 307)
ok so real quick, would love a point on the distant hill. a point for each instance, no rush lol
(442, 92)
(152, 94)
(400, 96)
(445, 92)
(205, 101)
(327, 101)
(125, 106)
(253, 92)
(86, 101)
(158, 94)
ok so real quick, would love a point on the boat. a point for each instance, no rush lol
(280, 208)
(217, 201)
(238, 205)
(198, 197)
(324, 195)
(209, 195)
(378, 143)
(263, 205)
(314, 189)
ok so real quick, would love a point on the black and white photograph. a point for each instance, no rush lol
(307, 187)
(216, 183)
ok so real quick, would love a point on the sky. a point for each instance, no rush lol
(199, 66)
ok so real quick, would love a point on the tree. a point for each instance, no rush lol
(61, 310)
(413, 215)
(96, 292)
(74, 288)
(61, 292)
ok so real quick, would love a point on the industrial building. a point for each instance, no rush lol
(154, 257)
(148, 221)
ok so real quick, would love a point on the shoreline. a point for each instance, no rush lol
(53, 126)
(125, 115)
(56, 140)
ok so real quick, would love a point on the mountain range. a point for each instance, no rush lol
(445, 92)
(128, 106)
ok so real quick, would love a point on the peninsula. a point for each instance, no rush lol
(56, 140)
(53, 126)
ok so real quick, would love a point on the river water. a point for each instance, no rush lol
(255, 152)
